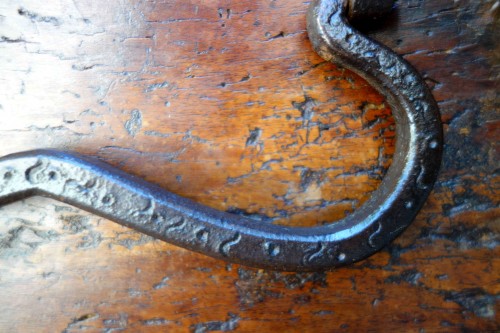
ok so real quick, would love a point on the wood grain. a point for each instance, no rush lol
(226, 103)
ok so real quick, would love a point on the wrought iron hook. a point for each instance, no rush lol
(101, 189)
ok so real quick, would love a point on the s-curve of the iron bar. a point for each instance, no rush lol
(101, 189)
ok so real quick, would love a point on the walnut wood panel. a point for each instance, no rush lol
(225, 102)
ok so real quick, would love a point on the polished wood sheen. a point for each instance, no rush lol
(226, 103)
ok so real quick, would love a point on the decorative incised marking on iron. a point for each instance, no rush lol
(36, 174)
(271, 249)
(84, 189)
(202, 235)
(176, 223)
(226, 245)
(91, 183)
(6, 177)
(422, 181)
(322, 252)
(148, 211)
(157, 222)
(314, 254)
(409, 204)
(372, 238)
(108, 200)
(156, 218)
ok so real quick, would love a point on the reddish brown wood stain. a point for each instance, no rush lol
(226, 103)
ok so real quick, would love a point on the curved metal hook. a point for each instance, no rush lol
(113, 194)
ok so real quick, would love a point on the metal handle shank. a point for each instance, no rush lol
(113, 194)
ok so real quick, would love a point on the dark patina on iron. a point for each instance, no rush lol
(101, 189)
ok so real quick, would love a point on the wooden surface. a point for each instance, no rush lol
(226, 103)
